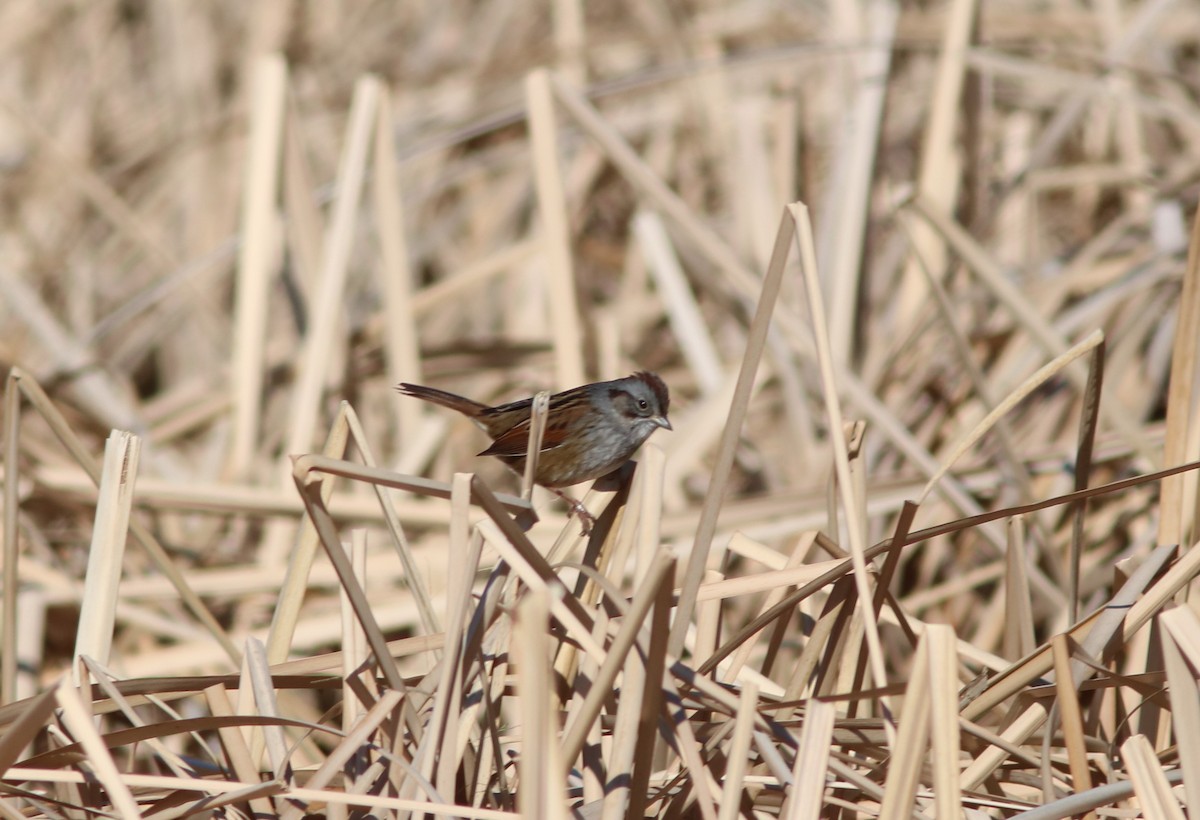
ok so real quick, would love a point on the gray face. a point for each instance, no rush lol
(641, 406)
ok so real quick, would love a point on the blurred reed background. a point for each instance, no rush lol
(229, 229)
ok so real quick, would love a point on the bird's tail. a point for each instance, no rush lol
(462, 404)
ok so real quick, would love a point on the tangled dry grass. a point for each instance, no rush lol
(920, 544)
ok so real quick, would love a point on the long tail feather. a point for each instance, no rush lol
(467, 407)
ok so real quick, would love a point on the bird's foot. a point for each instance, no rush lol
(586, 519)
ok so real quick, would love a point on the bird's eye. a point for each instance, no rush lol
(643, 404)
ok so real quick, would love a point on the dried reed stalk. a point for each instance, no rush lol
(928, 557)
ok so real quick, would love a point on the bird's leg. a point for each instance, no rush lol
(586, 520)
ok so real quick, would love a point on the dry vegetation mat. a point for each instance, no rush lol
(923, 281)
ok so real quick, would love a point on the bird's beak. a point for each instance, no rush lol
(662, 422)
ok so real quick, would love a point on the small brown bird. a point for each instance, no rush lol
(591, 430)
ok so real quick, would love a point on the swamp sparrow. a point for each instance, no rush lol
(590, 430)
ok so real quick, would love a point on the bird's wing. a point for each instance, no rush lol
(515, 442)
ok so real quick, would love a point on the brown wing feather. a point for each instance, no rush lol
(515, 442)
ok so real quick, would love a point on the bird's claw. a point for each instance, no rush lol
(586, 519)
